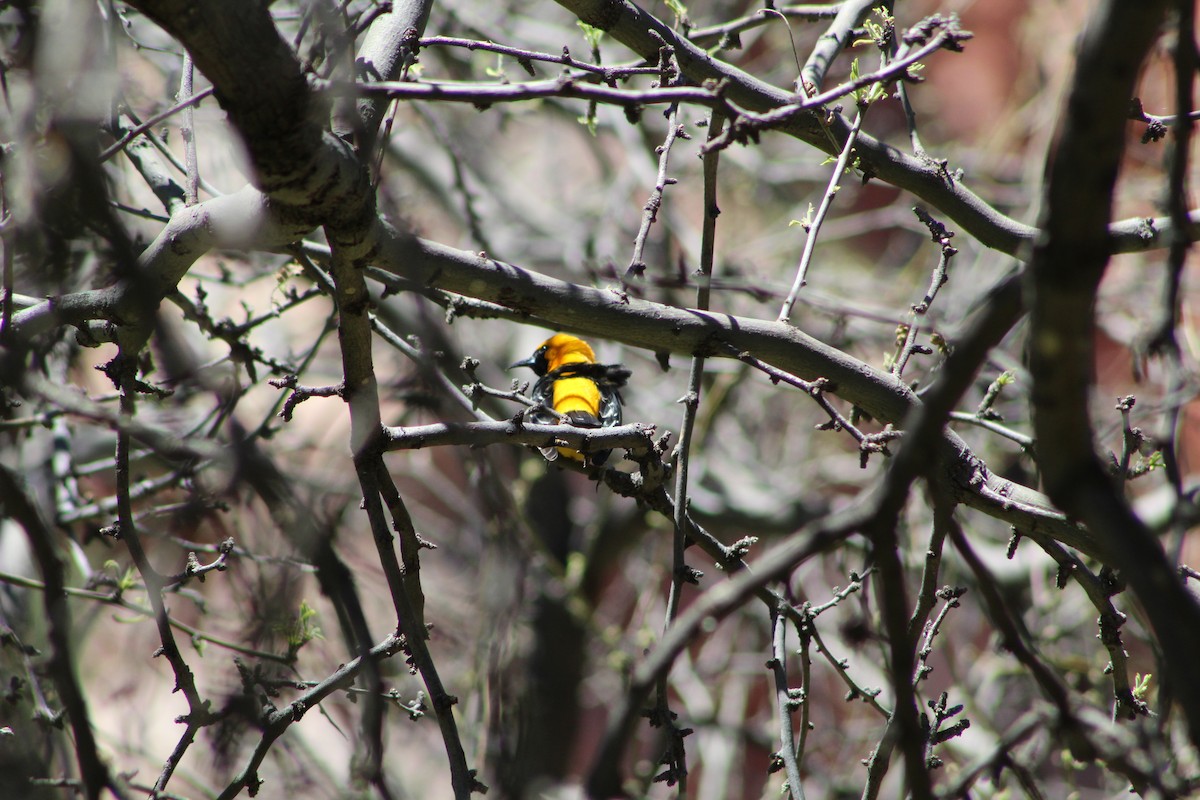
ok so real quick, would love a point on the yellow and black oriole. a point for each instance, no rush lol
(571, 383)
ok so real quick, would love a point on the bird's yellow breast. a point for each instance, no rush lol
(577, 394)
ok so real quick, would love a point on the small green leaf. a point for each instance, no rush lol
(588, 120)
(496, 71)
(576, 569)
(1141, 686)
(303, 629)
(1069, 761)
(591, 35)
(805, 221)
(128, 580)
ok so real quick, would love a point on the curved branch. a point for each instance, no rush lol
(1066, 269)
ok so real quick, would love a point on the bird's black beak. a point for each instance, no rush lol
(530, 362)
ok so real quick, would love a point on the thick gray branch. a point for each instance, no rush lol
(386, 50)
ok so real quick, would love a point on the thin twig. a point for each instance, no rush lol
(1099, 591)
(122, 370)
(637, 266)
(524, 57)
(1011, 633)
(841, 666)
(725, 35)
(161, 146)
(1022, 439)
(143, 127)
(483, 95)
(188, 129)
(750, 123)
(814, 227)
(785, 704)
(276, 722)
(868, 443)
(917, 312)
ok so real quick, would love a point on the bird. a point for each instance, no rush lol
(576, 389)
